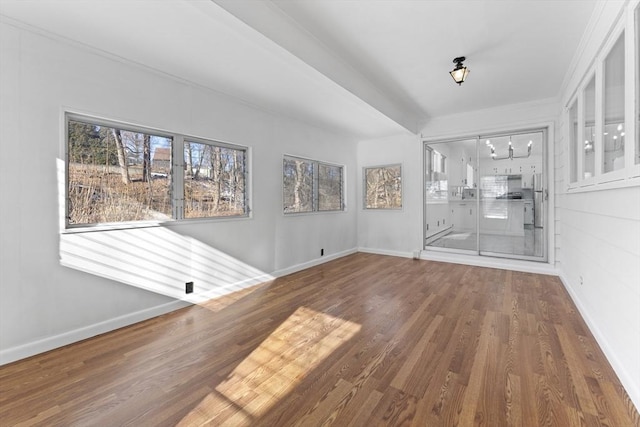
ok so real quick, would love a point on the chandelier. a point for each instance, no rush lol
(510, 152)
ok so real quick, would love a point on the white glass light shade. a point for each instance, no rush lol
(459, 74)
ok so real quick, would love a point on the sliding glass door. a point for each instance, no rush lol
(487, 195)
(451, 196)
(511, 195)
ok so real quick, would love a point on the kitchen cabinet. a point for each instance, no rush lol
(464, 215)
(528, 212)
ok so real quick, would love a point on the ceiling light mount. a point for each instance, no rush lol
(460, 72)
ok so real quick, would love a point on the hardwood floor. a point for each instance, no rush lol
(363, 340)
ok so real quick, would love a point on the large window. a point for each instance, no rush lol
(123, 174)
(311, 186)
(383, 187)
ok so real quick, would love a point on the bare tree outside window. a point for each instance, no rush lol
(214, 180)
(117, 174)
(383, 187)
(311, 186)
(329, 187)
(107, 181)
(298, 185)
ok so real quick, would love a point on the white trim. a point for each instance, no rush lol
(629, 383)
(491, 262)
(377, 251)
(313, 263)
(33, 348)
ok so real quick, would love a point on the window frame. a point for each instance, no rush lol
(365, 186)
(632, 76)
(176, 186)
(315, 187)
(216, 143)
(628, 175)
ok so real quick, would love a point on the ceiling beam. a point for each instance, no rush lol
(269, 20)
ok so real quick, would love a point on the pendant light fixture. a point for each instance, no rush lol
(509, 154)
(461, 72)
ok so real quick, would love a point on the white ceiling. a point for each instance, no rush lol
(367, 67)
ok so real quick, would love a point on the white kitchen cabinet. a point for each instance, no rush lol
(528, 212)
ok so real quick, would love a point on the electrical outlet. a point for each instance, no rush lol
(581, 281)
(188, 287)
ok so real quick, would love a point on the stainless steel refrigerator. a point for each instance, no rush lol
(538, 201)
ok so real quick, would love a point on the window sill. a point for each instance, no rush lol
(148, 224)
(589, 186)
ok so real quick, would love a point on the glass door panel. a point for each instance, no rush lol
(450, 221)
(511, 206)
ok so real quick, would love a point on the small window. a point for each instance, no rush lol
(214, 180)
(383, 187)
(435, 175)
(613, 132)
(588, 150)
(117, 175)
(311, 186)
(329, 187)
(573, 142)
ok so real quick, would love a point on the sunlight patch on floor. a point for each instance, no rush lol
(273, 369)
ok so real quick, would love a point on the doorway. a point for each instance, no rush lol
(487, 195)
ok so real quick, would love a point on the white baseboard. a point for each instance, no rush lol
(630, 384)
(386, 252)
(49, 343)
(312, 263)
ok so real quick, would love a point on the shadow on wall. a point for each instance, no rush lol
(156, 259)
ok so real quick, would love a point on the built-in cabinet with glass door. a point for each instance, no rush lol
(487, 195)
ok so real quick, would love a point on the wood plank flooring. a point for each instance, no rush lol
(360, 341)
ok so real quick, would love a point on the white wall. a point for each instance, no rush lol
(57, 288)
(395, 232)
(400, 232)
(598, 249)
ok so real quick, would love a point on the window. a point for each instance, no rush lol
(637, 82)
(436, 177)
(573, 142)
(588, 150)
(214, 182)
(329, 187)
(311, 186)
(603, 120)
(613, 132)
(123, 174)
(383, 187)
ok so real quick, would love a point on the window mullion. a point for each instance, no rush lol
(177, 160)
(316, 186)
